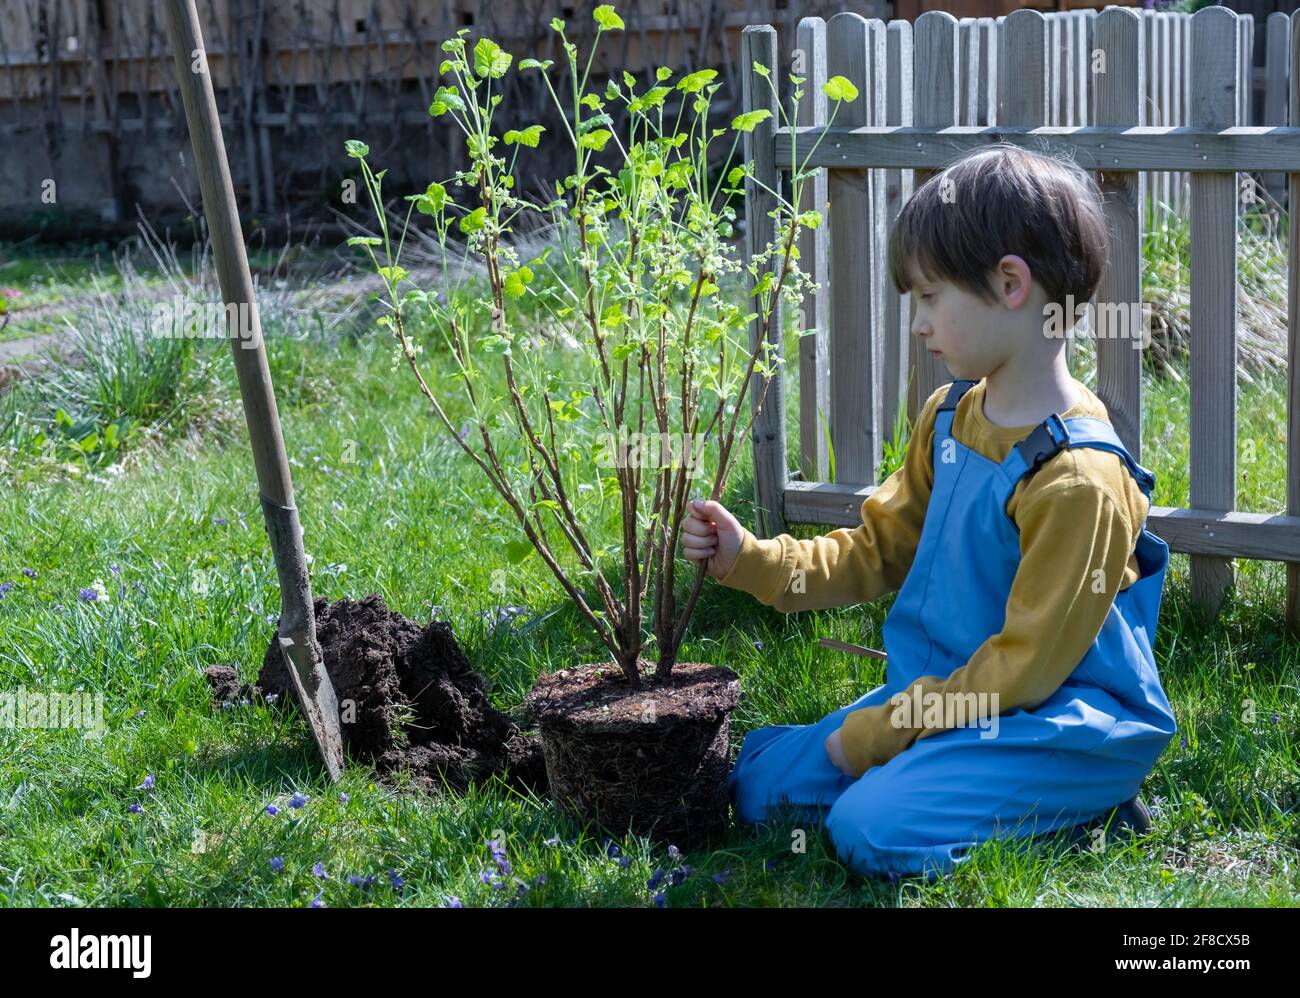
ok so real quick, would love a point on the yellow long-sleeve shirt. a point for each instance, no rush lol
(1079, 518)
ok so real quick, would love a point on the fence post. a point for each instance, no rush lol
(1277, 80)
(1118, 98)
(1292, 615)
(896, 330)
(934, 105)
(758, 44)
(814, 349)
(854, 51)
(1216, 53)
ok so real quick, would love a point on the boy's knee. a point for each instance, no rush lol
(876, 836)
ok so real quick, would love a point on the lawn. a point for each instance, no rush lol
(168, 520)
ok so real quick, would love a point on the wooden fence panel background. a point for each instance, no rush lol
(1117, 69)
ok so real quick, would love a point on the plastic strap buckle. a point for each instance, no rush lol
(1048, 438)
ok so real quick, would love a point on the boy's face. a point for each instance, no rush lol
(970, 335)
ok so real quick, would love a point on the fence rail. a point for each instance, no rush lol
(918, 83)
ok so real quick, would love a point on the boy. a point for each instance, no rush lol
(1021, 692)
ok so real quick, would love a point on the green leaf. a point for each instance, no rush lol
(529, 136)
(534, 64)
(838, 88)
(518, 550)
(613, 316)
(557, 24)
(693, 83)
(592, 101)
(433, 199)
(629, 80)
(474, 220)
(811, 219)
(760, 69)
(593, 122)
(445, 100)
(653, 97)
(662, 73)
(746, 122)
(365, 241)
(393, 274)
(607, 19)
(356, 148)
(517, 281)
(595, 140)
(495, 344)
(490, 59)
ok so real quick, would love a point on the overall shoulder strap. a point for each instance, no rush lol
(1054, 434)
(943, 416)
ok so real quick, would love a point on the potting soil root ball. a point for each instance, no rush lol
(409, 700)
(653, 760)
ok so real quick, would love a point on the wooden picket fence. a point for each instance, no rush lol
(905, 125)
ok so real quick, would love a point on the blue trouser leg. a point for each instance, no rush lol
(922, 811)
(787, 764)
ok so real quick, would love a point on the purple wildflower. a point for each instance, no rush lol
(277, 863)
(271, 809)
(442, 298)
(611, 850)
(298, 801)
(674, 852)
(135, 808)
(1183, 743)
(503, 866)
(272, 698)
(397, 882)
(219, 521)
(1273, 718)
(356, 880)
(554, 840)
(486, 876)
(660, 900)
(89, 595)
(723, 877)
(148, 782)
(656, 878)
(540, 878)
(770, 865)
(758, 645)
(316, 902)
(115, 568)
(318, 870)
(625, 861)
(343, 798)
(5, 587)
(454, 902)
(29, 572)
(680, 874)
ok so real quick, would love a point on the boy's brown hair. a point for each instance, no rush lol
(1003, 199)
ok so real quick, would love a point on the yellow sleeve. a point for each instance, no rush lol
(854, 565)
(1075, 542)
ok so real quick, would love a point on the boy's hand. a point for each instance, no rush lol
(836, 753)
(709, 531)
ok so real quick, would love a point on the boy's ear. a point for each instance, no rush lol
(1013, 280)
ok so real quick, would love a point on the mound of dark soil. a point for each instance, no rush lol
(408, 699)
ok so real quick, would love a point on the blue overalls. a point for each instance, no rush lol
(1083, 751)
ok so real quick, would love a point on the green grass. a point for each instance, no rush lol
(412, 519)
